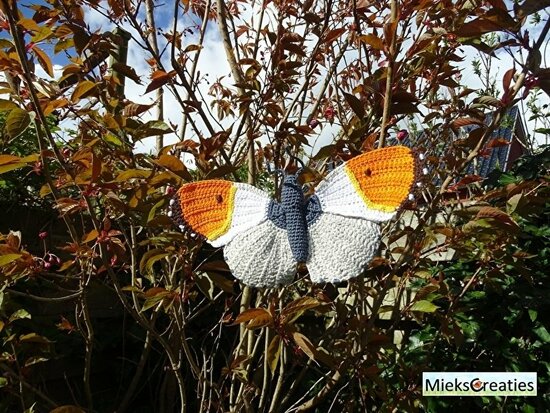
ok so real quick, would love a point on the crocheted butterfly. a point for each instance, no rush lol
(335, 232)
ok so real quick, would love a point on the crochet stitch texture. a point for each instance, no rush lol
(335, 232)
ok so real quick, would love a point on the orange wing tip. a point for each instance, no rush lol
(176, 215)
(205, 207)
(385, 177)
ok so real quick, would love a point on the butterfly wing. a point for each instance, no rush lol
(340, 247)
(246, 222)
(370, 186)
(219, 210)
(343, 215)
(261, 256)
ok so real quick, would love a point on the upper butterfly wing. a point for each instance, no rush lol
(246, 222)
(370, 186)
(343, 215)
(219, 210)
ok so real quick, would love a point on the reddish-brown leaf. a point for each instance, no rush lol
(497, 142)
(374, 41)
(127, 71)
(135, 109)
(478, 27)
(355, 104)
(332, 35)
(83, 88)
(159, 79)
(252, 314)
(43, 60)
(460, 122)
(297, 307)
(497, 214)
(305, 345)
(273, 353)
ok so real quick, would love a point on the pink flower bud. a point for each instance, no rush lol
(42, 235)
(329, 113)
(402, 135)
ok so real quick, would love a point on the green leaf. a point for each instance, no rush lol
(152, 301)
(3, 382)
(34, 360)
(11, 166)
(542, 333)
(19, 314)
(34, 338)
(532, 314)
(67, 409)
(8, 258)
(153, 210)
(424, 306)
(506, 179)
(152, 128)
(133, 173)
(17, 122)
(324, 152)
(150, 258)
(7, 105)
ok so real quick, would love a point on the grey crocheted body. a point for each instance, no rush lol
(295, 215)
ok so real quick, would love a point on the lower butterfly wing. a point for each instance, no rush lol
(340, 247)
(219, 210)
(261, 256)
(370, 186)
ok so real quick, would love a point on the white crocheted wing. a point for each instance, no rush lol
(261, 256)
(236, 216)
(370, 186)
(340, 247)
(219, 210)
(344, 233)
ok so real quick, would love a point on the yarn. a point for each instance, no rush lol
(383, 177)
(370, 186)
(261, 256)
(340, 247)
(207, 206)
(250, 209)
(335, 232)
(294, 206)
